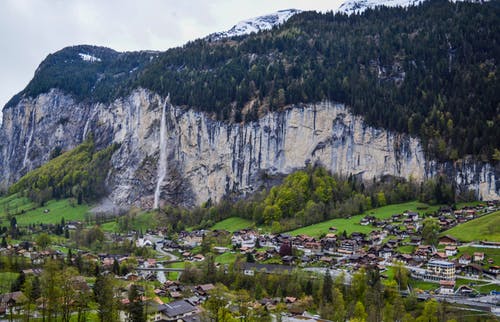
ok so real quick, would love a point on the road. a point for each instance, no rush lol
(483, 303)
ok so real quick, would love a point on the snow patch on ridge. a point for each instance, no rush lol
(256, 24)
(89, 58)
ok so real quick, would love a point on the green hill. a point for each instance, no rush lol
(79, 173)
(352, 224)
(483, 228)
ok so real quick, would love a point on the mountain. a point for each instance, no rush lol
(359, 6)
(256, 24)
(416, 100)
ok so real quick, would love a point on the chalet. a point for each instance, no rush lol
(132, 277)
(473, 270)
(348, 246)
(470, 214)
(244, 240)
(450, 250)
(175, 311)
(396, 217)
(415, 241)
(385, 252)
(405, 258)
(423, 251)
(448, 240)
(170, 245)
(439, 255)
(478, 257)
(413, 216)
(203, 289)
(160, 292)
(313, 247)
(393, 243)
(192, 240)
(326, 259)
(287, 260)
(465, 259)
(11, 300)
(368, 220)
(198, 258)
(329, 243)
(306, 259)
(446, 287)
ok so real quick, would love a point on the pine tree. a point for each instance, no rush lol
(135, 306)
(326, 290)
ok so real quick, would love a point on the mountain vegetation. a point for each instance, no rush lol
(79, 173)
(429, 70)
(310, 196)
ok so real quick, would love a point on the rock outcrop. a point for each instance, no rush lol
(206, 159)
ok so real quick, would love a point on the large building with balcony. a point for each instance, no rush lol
(437, 270)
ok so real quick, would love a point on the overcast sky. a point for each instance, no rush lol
(32, 29)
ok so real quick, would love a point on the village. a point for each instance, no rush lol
(397, 241)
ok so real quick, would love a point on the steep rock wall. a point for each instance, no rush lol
(207, 159)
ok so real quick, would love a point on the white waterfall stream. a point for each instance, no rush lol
(162, 161)
(30, 138)
(87, 124)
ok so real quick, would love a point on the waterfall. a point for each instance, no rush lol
(30, 137)
(162, 161)
(87, 124)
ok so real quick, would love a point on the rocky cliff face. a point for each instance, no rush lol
(206, 159)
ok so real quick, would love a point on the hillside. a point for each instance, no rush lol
(435, 66)
(480, 229)
(79, 173)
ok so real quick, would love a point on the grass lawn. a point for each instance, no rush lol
(493, 253)
(352, 224)
(142, 221)
(406, 249)
(58, 209)
(6, 279)
(232, 224)
(14, 204)
(483, 228)
(423, 285)
(389, 273)
(226, 258)
(481, 287)
(34, 215)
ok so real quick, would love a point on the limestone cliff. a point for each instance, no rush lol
(206, 159)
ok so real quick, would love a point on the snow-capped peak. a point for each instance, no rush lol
(89, 58)
(358, 6)
(257, 24)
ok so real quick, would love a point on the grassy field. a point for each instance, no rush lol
(423, 285)
(493, 253)
(226, 258)
(14, 204)
(406, 249)
(6, 279)
(352, 224)
(483, 228)
(35, 215)
(232, 224)
(142, 221)
(58, 209)
(481, 287)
